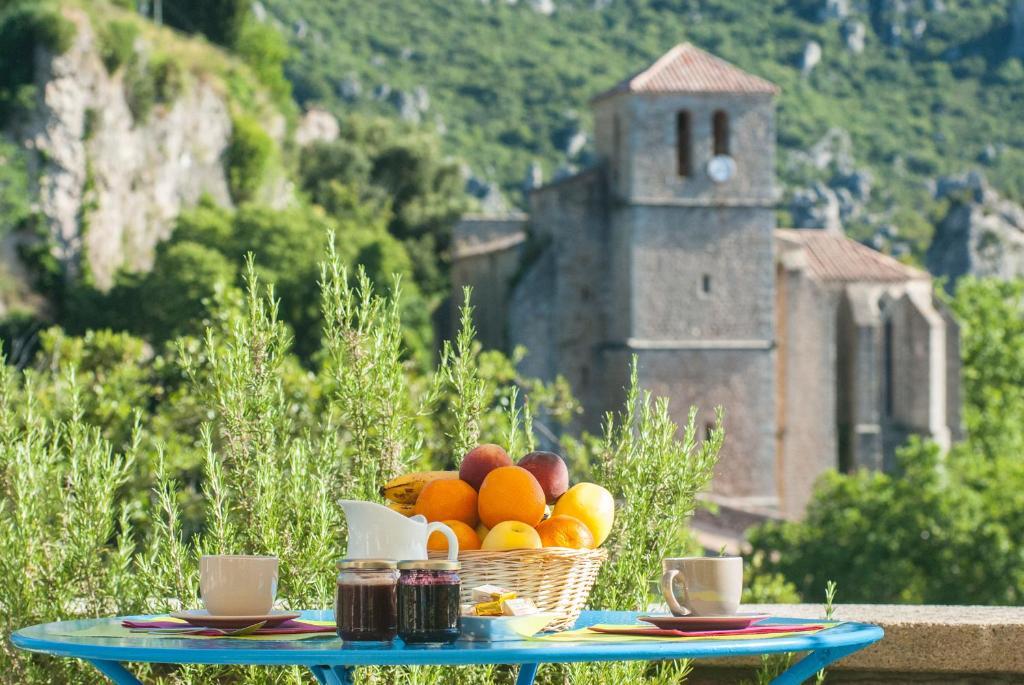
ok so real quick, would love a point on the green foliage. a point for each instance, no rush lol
(117, 44)
(510, 84)
(16, 210)
(26, 27)
(223, 444)
(945, 529)
(942, 532)
(990, 313)
(151, 80)
(176, 296)
(402, 175)
(265, 51)
(247, 157)
(655, 469)
(221, 21)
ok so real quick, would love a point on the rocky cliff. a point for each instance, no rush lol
(108, 179)
(981, 233)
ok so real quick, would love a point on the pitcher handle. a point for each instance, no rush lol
(453, 542)
(668, 591)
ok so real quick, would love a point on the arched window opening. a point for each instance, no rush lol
(720, 128)
(684, 132)
(616, 145)
(888, 369)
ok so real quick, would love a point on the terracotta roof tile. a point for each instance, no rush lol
(688, 69)
(836, 258)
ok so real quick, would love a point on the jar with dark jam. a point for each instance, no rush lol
(428, 601)
(366, 605)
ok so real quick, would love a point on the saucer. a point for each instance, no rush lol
(691, 622)
(203, 619)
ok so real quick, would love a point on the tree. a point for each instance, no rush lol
(403, 176)
(219, 20)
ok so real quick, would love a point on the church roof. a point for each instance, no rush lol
(834, 257)
(688, 69)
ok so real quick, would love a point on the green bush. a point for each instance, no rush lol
(249, 453)
(140, 90)
(117, 44)
(265, 51)
(24, 27)
(221, 20)
(247, 157)
(151, 80)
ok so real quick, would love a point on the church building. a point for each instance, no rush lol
(824, 353)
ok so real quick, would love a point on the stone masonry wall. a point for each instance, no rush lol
(648, 130)
(675, 248)
(807, 316)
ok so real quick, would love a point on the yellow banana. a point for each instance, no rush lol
(403, 509)
(405, 489)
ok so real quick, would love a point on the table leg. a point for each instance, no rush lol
(332, 675)
(118, 674)
(527, 672)
(812, 663)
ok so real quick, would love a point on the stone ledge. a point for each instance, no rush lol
(921, 639)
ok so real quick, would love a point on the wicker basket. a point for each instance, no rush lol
(557, 579)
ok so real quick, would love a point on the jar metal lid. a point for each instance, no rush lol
(429, 565)
(367, 564)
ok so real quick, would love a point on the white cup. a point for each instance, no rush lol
(238, 585)
(711, 586)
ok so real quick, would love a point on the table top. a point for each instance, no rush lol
(46, 638)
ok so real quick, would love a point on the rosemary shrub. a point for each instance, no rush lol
(226, 444)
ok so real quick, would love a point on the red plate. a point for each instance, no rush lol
(203, 619)
(694, 623)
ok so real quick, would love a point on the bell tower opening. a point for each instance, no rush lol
(684, 134)
(720, 132)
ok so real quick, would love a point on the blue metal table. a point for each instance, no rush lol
(332, 663)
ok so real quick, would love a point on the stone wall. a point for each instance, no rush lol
(740, 381)
(673, 249)
(807, 316)
(647, 152)
(923, 645)
(486, 256)
(570, 219)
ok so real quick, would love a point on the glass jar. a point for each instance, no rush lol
(428, 601)
(366, 604)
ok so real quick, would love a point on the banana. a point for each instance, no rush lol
(405, 489)
(403, 509)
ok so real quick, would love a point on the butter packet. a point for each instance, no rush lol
(518, 607)
(487, 593)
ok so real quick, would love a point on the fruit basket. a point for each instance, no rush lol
(557, 579)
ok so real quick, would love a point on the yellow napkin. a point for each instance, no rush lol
(587, 635)
(113, 629)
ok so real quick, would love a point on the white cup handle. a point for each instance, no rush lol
(453, 542)
(668, 591)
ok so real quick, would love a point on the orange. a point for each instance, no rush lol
(468, 539)
(565, 531)
(444, 500)
(591, 504)
(511, 493)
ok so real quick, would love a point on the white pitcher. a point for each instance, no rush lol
(376, 532)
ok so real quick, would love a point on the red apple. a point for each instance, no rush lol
(550, 471)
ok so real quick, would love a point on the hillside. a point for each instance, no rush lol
(879, 98)
(115, 126)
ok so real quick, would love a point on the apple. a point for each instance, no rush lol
(550, 471)
(511, 535)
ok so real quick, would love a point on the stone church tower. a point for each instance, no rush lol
(823, 352)
(689, 144)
